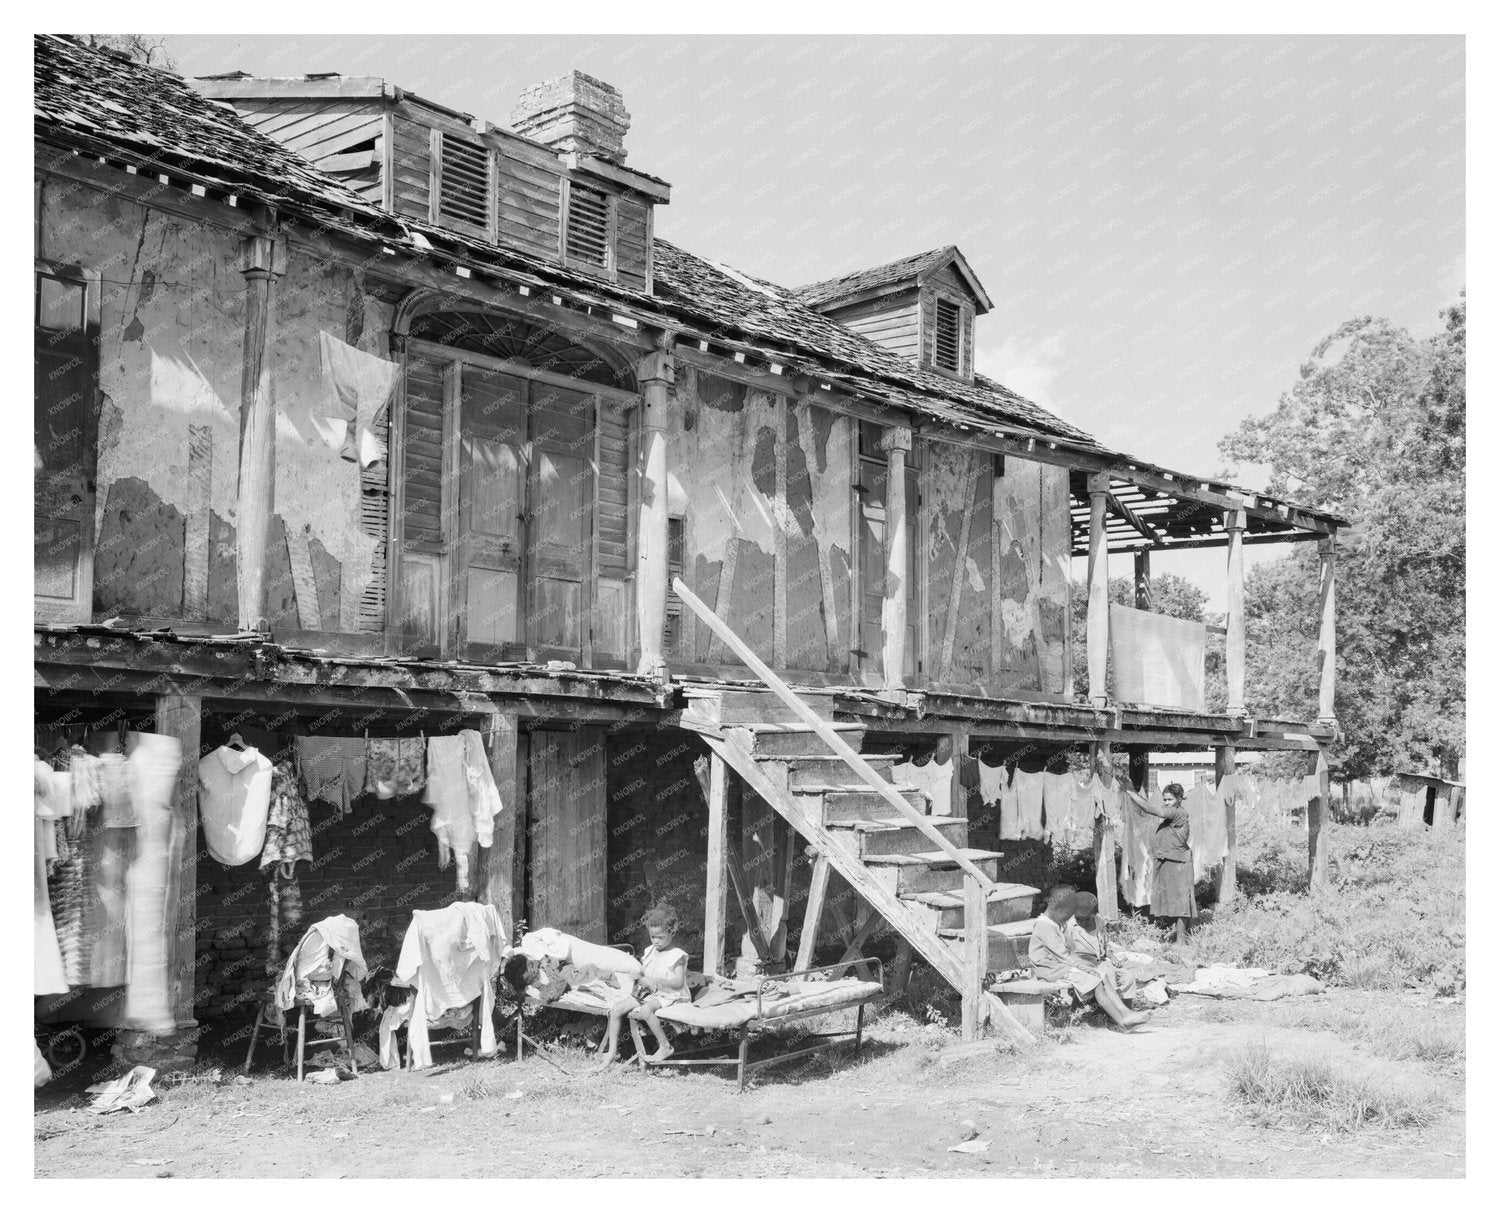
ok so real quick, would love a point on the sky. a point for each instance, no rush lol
(1166, 225)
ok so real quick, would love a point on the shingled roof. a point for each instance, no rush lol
(878, 279)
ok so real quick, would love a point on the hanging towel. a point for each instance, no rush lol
(1057, 801)
(933, 778)
(1010, 806)
(992, 784)
(333, 770)
(447, 792)
(152, 769)
(358, 385)
(395, 766)
(234, 797)
(484, 796)
(1029, 786)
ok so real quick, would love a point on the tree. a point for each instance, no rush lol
(1373, 430)
(1170, 595)
(149, 49)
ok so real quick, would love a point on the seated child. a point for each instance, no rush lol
(663, 983)
(1052, 961)
(1085, 946)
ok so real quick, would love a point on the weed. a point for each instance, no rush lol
(1320, 1094)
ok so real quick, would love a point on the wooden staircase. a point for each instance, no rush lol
(914, 868)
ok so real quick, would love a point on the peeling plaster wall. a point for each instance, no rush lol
(730, 447)
(171, 350)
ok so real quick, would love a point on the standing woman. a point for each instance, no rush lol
(1172, 883)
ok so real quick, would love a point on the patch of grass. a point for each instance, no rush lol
(1320, 1094)
(1399, 1033)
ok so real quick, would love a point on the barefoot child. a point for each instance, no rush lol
(663, 983)
(1051, 961)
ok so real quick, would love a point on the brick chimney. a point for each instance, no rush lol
(574, 113)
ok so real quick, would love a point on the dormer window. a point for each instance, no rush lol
(589, 228)
(463, 183)
(948, 339)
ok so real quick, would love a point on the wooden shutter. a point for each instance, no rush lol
(587, 238)
(374, 520)
(464, 183)
(948, 338)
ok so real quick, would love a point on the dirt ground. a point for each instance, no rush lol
(1089, 1101)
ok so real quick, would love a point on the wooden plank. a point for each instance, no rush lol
(1317, 834)
(1223, 769)
(196, 537)
(568, 832)
(817, 891)
(718, 838)
(1234, 640)
(181, 717)
(304, 585)
(975, 958)
(779, 537)
(1098, 603)
(1327, 628)
(257, 473)
(827, 735)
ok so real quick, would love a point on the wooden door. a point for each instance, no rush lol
(560, 496)
(567, 829)
(66, 422)
(491, 504)
(420, 609)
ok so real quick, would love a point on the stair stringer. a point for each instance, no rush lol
(733, 747)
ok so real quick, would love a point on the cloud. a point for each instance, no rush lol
(1028, 366)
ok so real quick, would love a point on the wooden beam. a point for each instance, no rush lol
(1326, 633)
(181, 717)
(1223, 768)
(1317, 837)
(655, 374)
(501, 888)
(1106, 874)
(817, 891)
(263, 261)
(1143, 579)
(781, 518)
(717, 795)
(1234, 641)
(1139, 524)
(976, 947)
(896, 442)
(1098, 601)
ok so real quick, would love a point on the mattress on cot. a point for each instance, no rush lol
(798, 997)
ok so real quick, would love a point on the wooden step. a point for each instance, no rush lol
(797, 740)
(829, 770)
(765, 707)
(1008, 943)
(1007, 903)
(839, 805)
(909, 874)
(869, 838)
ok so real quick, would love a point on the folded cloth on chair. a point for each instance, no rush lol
(451, 957)
(317, 964)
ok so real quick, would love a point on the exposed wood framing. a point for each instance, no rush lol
(817, 892)
(896, 441)
(264, 260)
(1327, 629)
(717, 794)
(782, 522)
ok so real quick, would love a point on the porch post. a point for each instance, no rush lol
(655, 374)
(896, 442)
(1326, 633)
(1098, 617)
(181, 717)
(1106, 875)
(1223, 769)
(1317, 815)
(263, 260)
(500, 890)
(1234, 642)
(718, 840)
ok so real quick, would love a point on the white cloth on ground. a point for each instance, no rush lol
(1218, 977)
(450, 956)
(234, 796)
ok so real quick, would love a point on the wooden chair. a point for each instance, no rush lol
(265, 1017)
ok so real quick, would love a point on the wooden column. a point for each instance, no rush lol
(501, 888)
(958, 792)
(1106, 872)
(181, 717)
(817, 893)
(1143, 579)
(1317, 815)
(1098, 581)
(1223, 769)
(718, 840)
(655, 374)
(263, 260)
(1326, 647)
(1234, 641)
(896, 442)
(975, 958)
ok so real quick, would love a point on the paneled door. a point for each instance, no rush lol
(491, 507)
(65, 434)
(559, 522)
(567, 828)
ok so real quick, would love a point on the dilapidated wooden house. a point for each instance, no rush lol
(357, 415)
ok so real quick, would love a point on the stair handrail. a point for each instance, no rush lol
(827, 734)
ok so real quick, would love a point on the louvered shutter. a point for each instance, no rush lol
(464, 183)
(586, 241)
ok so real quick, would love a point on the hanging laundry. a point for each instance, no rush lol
(1030, 789)
(1010, 806)
(463, 797)
(65, 893)
(395, 766)
(484, 795)
(288, 843)
(234, 797)
(933, 778)
(992, 783)
(1058, 788)
(49, 977)
(152, 767)
(1136, 860)
(333, 770)
(358, 385)
(1207, 830)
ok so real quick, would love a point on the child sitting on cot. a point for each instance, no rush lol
(1052, 961)
(663, 983)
